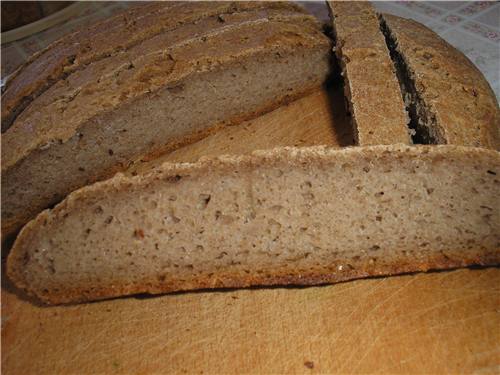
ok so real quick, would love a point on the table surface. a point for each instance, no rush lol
(440, 322)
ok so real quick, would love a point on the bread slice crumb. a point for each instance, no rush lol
(286, 216)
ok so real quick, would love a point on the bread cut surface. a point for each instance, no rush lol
(290, 215)
(168, 90)
(372, 90)
(449, 100)
(107, 38)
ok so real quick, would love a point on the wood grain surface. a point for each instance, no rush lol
(441, 322)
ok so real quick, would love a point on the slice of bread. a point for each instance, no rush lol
(168, 90)
(370, 84)
(107, 38)
(287, 216)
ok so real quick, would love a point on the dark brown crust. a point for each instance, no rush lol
(328, 275)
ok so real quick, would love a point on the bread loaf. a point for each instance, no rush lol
(167, 90)
(290, 215)
(300, 216)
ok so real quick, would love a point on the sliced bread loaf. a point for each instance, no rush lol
(166, 91)
(107, 38)
(449, 100)
(301, 216)
(371, 87)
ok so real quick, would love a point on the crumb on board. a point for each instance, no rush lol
(309, 364)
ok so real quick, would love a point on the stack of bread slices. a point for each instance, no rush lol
(418, 190)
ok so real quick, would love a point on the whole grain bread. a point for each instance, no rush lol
(75, 51)
(287, 216)
(371, 87)
(290, 215)
(168, 90)
(448, 98)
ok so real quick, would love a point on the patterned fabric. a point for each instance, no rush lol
(472, 27)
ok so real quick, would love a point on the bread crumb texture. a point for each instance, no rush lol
(170, 89)
(289, 215)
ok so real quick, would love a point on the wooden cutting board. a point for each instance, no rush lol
(422, 323)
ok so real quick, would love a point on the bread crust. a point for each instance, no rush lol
(275, 278)
(451, 88)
